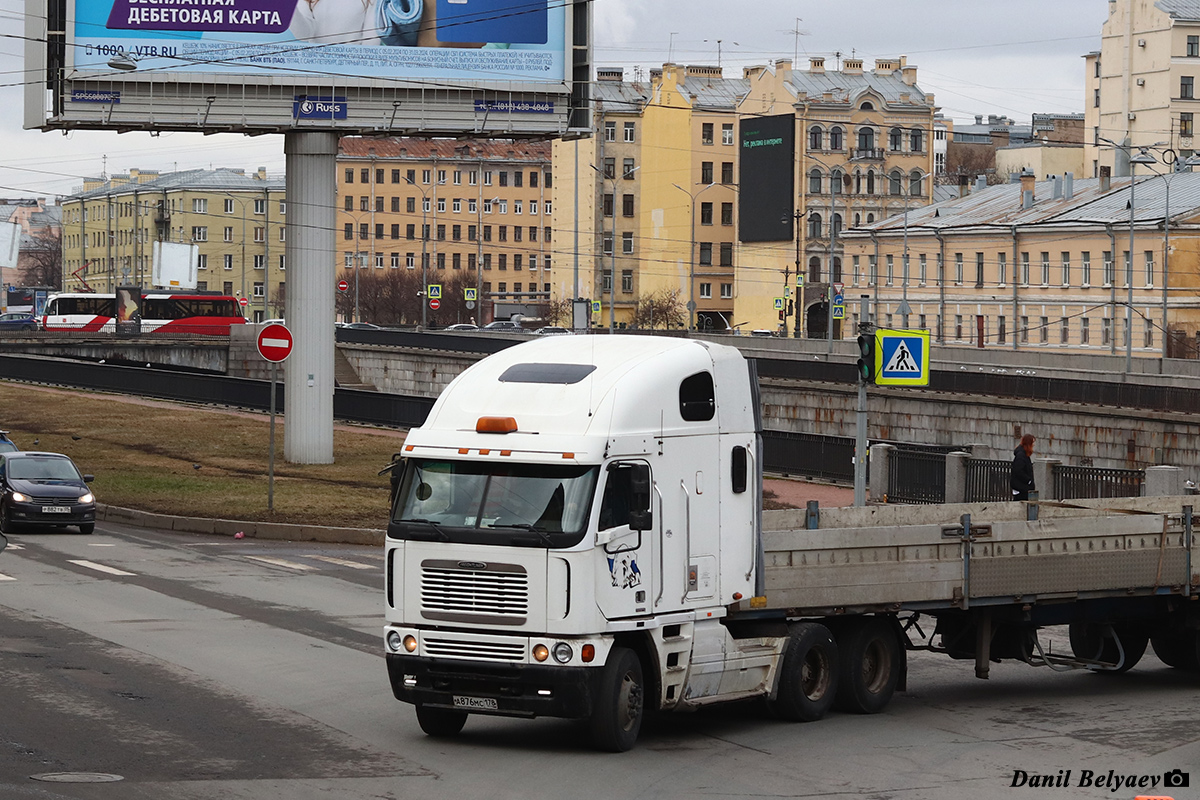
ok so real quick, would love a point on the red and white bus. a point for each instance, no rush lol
(164, 312)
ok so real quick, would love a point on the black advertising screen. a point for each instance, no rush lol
(766, 194)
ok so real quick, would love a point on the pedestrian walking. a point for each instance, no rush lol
(1021, 480)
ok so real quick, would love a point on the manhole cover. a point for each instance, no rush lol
(77, 777)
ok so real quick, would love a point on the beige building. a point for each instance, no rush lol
(864, 151)
(1141, 84)
(1042, 265)
(236, 220)
(448, 207)
(1043, 159)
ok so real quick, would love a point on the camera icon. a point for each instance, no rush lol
(1177, 779)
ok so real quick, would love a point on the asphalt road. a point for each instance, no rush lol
(207, 667)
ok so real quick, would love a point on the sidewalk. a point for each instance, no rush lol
(792, 493)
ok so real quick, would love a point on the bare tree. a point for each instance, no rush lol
(40, 261)
(662, 309)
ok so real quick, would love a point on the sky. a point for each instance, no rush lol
(1016, 58)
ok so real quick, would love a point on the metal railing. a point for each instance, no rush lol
(809, 454)
(916, 476)
(988, 480)
(1085, 482)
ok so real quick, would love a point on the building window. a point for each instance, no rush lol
(607, 204)
(816, 137)
(706, 133)
(836, 138)
(228, 261)
(814, 181)
(349, 178)
(627, 169)
(706, 291)
(260, 206)
(199, 205)
(626, 281)
(727, 133)
(1193, 46)
(610, 131)
(1001, 268)
(1045, 268)
(259, 289)
(1095, 98)
(1064, 331)
(1108, 269)
(706, 254)
(1085, 330)
(1186, 87)
(726, 213)
(922, 267)
(202, 261)
(958, 327)
(895, 139)
(627, 205)
(260, 234)
(200, 234)
(629, 126)
(1001, 330)
(1025, 269)
(1085, 269)
(891, 268)
(726, 254)
(1149, 256)
(1025, 329)
(606, 244)
(958, 269)
(1044, 329)
(228, 233)
(260, 261)
(1105, 331)
(726, 172)
(1185, 124)
(627, 242)
(979, 270)
(916, 140)
(706, 213)
(229, 206)
(706, 172)
(726, 291)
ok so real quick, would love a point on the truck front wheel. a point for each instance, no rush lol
(808, 676)
(869, 665)
(620, 702)
(440, 723)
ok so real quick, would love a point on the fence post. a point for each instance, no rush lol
(1043, 477)
(956, 477)
(812, 515)
(1163, 481)
(880, 471)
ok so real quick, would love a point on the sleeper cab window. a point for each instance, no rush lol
(697, 399)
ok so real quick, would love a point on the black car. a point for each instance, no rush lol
(44, 489)
(18, 322)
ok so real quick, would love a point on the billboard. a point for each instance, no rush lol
(350, 66)
(766, 202)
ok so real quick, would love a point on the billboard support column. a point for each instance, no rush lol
(309, 253)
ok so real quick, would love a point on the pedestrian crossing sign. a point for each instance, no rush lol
(901, 358)
(435, 291)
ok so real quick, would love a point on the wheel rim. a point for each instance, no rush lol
(814, 674)
(876, 666)
(629, 702)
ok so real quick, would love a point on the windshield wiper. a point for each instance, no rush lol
(433, 526)
(525, 526)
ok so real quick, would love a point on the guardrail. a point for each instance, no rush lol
(1076, 482)
(988, 480)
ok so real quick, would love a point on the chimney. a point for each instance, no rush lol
(783, 67)
(1069, 185)
(962, 185)
(1028, 182)
(852, 66)
(611, 75)
(752, 72)
(885, 66)
(1057, 187)
(908, 74)
(262, 173)
(979, 119)
(816, 65)
(980, 182)
(1105, 180)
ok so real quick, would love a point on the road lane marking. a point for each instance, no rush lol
(99, 567)
(279, 562)
(341, 562)
(100, 544)
(12, 546)
(7, 578)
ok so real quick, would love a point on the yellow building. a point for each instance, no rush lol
(236, 220)
(1141, 84)
(445, 206)
(656, 201)
(863, 151)
(1042, 265)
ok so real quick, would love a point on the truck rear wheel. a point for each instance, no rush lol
(620, 702)
(869, 665)
(440, 723)
(808, 676)
(1180, 650)
(1093, 641)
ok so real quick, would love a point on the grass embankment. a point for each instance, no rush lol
(173, 459)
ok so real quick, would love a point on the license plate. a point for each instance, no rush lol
(56, 509)
(482, 703)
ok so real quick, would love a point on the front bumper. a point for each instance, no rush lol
(33, 513)
(520, 690)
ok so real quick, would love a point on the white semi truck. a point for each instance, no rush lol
(577, 531)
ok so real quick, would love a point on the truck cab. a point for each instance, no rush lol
(570, 526)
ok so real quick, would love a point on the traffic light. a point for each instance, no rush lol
(866, 358)
(781, 315)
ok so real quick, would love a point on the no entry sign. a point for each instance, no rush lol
(435, 304)
(275, 342)
(343, 286)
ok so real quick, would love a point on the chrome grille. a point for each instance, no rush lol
(54, 501)
(454, 592)
(476, 650)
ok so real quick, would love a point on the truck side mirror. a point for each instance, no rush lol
(641, 518)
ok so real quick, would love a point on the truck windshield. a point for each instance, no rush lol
(487, 502)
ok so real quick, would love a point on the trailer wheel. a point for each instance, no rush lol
(1181, 650)
(869, 665)
(620, 702)
(440, 723)
(808, 675)
(1092, 641)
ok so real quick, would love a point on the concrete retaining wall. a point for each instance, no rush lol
(229, 527)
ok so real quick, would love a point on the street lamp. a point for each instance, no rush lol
(692, 253)
(424, 245)
(1141, 158)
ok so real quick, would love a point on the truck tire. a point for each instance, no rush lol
(1180, 650)
(808, 676)
(620, 702)
(1091, 641)
(868, 665)
(440, 723)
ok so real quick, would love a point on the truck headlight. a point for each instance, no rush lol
(562, 652)
(540, 652)
(393, 641)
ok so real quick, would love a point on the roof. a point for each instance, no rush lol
(1000, 206)
(621, 96)
(400, 147)
(711, 92)
(846, 86)
(1180, 9)
(223, 179)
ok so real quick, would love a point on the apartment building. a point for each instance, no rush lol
(1040, 265)
(1141, 83)
(481, 209)
(236, 220)
(863, 152)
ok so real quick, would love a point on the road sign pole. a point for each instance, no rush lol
(271, 444)
(860, 433)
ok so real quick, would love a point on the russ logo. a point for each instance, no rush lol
(306, 107)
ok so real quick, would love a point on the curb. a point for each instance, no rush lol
(252, 530)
